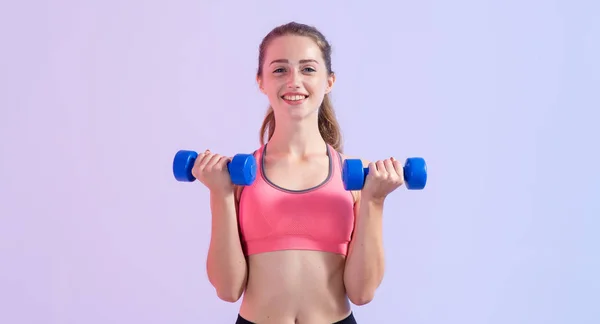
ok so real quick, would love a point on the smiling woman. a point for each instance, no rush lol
(296, 243)
(312, 54)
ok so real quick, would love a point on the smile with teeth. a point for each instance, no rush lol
(294, 97)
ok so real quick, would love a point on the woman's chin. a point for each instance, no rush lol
(296, 112)
(300, 114)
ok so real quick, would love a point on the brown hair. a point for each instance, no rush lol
(328, 124)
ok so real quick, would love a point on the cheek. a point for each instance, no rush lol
(322, 83)
(270, 90)
(318, 88)
(274, 92)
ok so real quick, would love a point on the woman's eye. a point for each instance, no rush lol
(306, 70)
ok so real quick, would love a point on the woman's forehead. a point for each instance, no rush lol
(293, 49)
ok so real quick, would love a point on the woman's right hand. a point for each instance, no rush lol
(211, 170)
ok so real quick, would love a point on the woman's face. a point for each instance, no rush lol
(294, 77)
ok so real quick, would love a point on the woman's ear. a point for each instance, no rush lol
(260, 84)
(330, 82)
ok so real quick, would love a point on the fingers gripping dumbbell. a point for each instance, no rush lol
(415, 174)
(242, 168)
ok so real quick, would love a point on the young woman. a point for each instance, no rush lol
(295, 243)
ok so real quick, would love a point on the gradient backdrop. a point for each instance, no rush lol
(500, 97)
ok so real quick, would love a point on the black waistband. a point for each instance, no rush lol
(348, 320)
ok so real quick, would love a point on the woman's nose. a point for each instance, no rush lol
(294, 79)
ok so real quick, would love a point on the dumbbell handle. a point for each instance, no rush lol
(190, 167)
(405, 170)
(366, 171)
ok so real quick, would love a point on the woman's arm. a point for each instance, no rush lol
(226, 263)
(365, 262)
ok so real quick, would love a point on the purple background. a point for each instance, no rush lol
(500, 97)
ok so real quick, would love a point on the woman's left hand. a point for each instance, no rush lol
(383, 178)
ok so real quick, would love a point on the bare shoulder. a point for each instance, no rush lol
(365, 162)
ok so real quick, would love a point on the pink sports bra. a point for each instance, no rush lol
(272, 218)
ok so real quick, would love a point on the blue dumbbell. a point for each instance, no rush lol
(415, 174)
(242, 168)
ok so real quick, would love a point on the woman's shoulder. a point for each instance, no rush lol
(345, 156)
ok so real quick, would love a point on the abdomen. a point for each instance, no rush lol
(295, 285)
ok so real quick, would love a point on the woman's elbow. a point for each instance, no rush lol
(361, 298)
(227, 290)
(229, 295)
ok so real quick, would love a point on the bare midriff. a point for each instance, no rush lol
(295, 287)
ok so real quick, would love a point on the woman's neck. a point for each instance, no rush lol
(297, 138)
